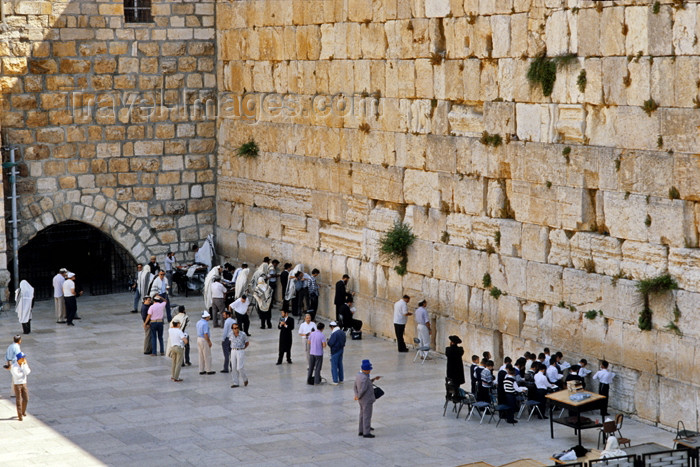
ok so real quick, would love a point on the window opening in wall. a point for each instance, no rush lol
(137, 11)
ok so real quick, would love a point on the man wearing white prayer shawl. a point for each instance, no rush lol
(242, 282)
(215, 273)
(24, 297)
(144, 281)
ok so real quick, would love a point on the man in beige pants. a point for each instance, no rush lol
(178, 340)
(204, 344)
(58, 300)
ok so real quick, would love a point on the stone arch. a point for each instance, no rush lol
(125, 229)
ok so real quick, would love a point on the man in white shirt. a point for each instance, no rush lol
(553, 374)
(161, 286)
(226, 340)
(542, 386)
(604, 377)
(240, 307)
(218, 304)
(400, 314)
(178, 339)
(58, 302)
(70, 299)
(423, 325)
(306, 328)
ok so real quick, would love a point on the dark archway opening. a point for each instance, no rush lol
(100, 264)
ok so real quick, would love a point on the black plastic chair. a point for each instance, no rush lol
(455, 395)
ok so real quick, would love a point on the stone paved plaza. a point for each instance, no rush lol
(96, 399)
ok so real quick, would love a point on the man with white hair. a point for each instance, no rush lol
(58, 302)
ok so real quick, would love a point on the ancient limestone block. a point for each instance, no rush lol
(689, 306)
(557, 33)
(672, 222)
(420, 258)
(534, 122)
(612, 40)
(510, 237)
(341, 240)
(514, 274)
(437, 8)
(643, 260)
(623, 126)
(683, 265)
(684, 30)
(548, 287)
(446, 262)
(662, 90)
(500, 24)
(671, 409)
(499, 117)
(377, 182)
(570, 124)
(637, 38)
(581, 289)
(684, 92)
(473, 266)
(621, 300)
(495, 198)
(660, 31)
(469, 195)
(466, 120)
(510, 315)
(421, 188)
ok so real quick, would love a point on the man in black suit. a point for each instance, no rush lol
(347, 313)
(284, 279)
(341, 296)
(286, 326)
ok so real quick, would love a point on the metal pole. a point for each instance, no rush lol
(15, 236)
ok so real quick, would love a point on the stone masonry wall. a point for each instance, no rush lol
(590, 190)
(97, 106)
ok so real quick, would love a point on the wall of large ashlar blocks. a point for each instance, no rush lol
(551, 228)
(105, 114)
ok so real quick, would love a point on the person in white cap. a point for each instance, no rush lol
(58, 302)
(204, 344)
(70, 298)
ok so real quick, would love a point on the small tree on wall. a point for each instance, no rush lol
(655, 285)
(395, 243)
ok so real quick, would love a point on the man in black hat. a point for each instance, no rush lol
(455, 367)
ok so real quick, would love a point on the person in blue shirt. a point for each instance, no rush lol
(337, 344)
(11, 357)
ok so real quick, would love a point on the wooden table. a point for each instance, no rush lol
(561, 399)
(524, 463)
(692, 444)
(593, 454)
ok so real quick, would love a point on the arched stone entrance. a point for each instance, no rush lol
(101, 264)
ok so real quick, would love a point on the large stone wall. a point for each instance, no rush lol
(106, 116)
(587, 194)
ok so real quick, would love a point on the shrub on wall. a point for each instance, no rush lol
(395, 243)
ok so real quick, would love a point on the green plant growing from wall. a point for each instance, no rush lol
(395, 243)
(591, 314)
(581, 81)
(249, 149)
(647, 221)
(650, 106)
(660, 142)
(655, 285)
(494, 140)
(656, 8)
(486, 280)
(673, 193)
(497, 238)
(673, 327)
(543, 70)
(496, 293)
